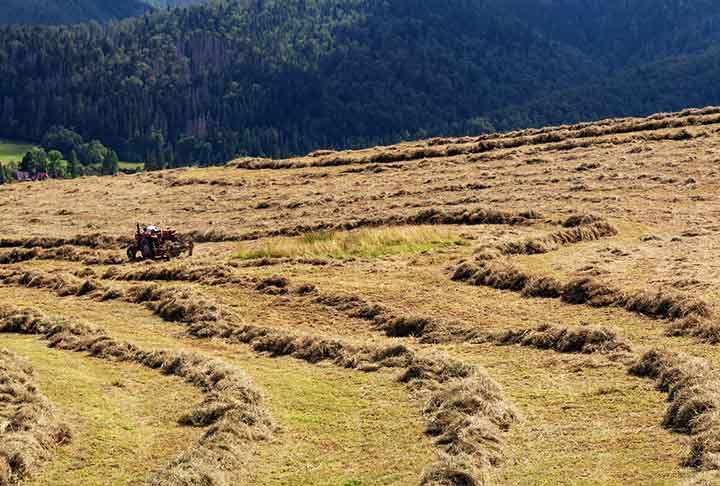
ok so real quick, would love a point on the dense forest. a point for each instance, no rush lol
(274, 77)
(66, 12)
(58, 12)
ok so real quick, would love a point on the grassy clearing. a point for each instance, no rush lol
(131, 165)
(122, 428)
(13, 151)
(363, 243)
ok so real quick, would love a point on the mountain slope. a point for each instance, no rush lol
(272, 77)
(668, 85)
(67, 12)
(277, 77)
(622, 32)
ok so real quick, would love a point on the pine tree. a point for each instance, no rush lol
(74, 168)
(111, 163)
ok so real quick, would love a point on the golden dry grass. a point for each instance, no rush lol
(584, 420)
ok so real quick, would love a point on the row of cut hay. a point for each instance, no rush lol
(581, 339)
(209, 274)
(95, 240)
(699, 328)
(431, 216)
(617, 125)
(63, 246)
(191, 181)
(430, 330)
(465, 409)
(29, 429)
(553, 241)
(693, 390)
(61, 283)
(558, 139)
(232, 408)
(589, 291)
(218, 274)
(66, 252)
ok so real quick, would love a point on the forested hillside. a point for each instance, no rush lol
(275, 77)
(271, 77)
(622, 32)
(68, 12)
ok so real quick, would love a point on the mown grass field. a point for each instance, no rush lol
(520, 309)
(11, 152)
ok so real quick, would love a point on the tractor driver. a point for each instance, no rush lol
(151, 230)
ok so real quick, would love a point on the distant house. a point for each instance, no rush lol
(22, 176)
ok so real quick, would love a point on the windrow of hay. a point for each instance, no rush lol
(465, 409)
(59, 282)
(428, 330)
(431, 330)
(29, 429)
(553, 139)
(431, 216)
(585, 129)
(232, 409)
(552, 241)
(208, 274)
(66, 252)
(703, 329)
(585, 290)
(693, 389)
(95, 240)
(581, 339)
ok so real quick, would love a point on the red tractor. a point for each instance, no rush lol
(155, 244)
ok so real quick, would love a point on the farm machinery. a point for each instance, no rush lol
(153, 243)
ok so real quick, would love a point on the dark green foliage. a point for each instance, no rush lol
(111, 163)
(207, 83)
(57, 167)
(5, 175)
(62, 139)
(34, 161)
(276, 77)
(65, 12)
(74, 168)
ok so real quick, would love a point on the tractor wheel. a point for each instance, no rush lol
(132, 253)
(147, 249)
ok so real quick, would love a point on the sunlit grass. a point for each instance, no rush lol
(366, 243)
(132, 165)
(13, 151)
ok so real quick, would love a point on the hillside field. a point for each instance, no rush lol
(12, 152)
(528, 308)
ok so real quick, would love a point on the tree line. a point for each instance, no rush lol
(271, 78)
(63, 155)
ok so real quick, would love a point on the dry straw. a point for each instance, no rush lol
(465, 409)
(232, 409)
(28, 427)
(693, 389)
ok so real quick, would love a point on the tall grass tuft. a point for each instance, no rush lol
(361, 243)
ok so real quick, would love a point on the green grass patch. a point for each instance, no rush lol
(13, 151)
(131, 165)
(363, 243)
(123, 429)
